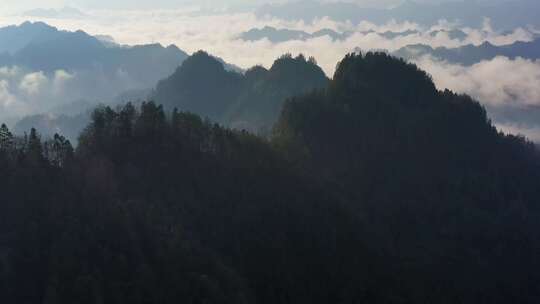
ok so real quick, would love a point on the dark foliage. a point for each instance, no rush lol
(376, 189)
(451, 203)
(156, 209)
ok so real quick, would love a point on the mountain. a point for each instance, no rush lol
(40, 47)
(375, 188)
(448, 199)
(282, 35)
(503, 14)
(14, 38)
(471, 54)
(60, 68)
(200, 85)
(251, 101)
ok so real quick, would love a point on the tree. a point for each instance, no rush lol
(34, 149)
(6, 138)
(58, 150)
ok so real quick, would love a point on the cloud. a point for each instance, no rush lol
(24, 92)
(6, 98)
(497, 82)
(31, 84)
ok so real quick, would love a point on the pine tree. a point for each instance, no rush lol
(58, 151)
(34, 148)
(6, 138)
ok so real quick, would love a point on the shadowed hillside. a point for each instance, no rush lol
(374, 188)
(450, 201)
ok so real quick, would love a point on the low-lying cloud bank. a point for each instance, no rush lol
(497, 82)
(24, 92)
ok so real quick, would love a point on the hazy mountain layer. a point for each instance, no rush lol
(39, 47)
(282, 35)
(471, 54)
(249, 101)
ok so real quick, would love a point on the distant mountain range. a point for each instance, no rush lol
(282, 35)
(503, 14)
(40, 47)
(96, 68)
(471, 54)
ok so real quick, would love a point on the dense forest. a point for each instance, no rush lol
(374, 187)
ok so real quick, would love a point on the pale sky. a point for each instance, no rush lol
(12, 6)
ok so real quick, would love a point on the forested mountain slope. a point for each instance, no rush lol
(451, 199)
(374, 189)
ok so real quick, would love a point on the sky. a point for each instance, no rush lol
(17, 5)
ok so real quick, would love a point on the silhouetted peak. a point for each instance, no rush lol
(486, 44)
(173, 47)
(152, 46)
(257, 72)
(204, 59)
(288, 59)
(380, 75)
(36, 25)
(325, 31)
(289, 65)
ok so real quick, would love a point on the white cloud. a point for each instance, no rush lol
(31, 84)
(6, 98)
(60, 80)
(497, 82)
(25, 92)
